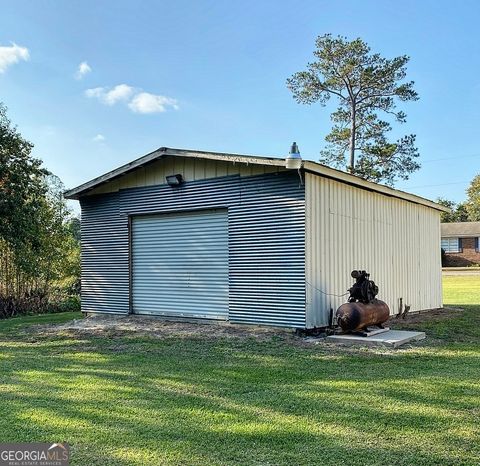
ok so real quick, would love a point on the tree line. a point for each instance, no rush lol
(39, 237)
(467, 211)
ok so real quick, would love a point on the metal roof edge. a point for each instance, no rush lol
(314, 167)
(76, 193)
(338, 175)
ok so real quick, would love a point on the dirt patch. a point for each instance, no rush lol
(157, 327)
(112, 327)
(434, 315)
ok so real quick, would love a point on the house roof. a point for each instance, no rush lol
(460, 229)
(309, 166)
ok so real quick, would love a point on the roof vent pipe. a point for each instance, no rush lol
(293, 160)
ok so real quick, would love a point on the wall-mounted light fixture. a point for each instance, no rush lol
(174, 180)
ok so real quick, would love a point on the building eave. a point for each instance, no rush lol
(312, 167)
(353, 180)
(83, 189)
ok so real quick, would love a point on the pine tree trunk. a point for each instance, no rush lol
(353, 129)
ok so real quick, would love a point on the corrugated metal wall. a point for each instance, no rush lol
(348, 228)
(267, 251)
(266, 216)
(104, 255)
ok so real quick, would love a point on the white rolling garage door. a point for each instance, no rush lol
(180, 264)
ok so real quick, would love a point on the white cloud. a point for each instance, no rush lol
(138, 100)
(144, 102)
(83, 69)
(95, 92)
(120, 92)
(99, 138)
(9, 55)
(111, 96)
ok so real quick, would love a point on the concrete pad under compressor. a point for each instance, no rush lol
(392, 338)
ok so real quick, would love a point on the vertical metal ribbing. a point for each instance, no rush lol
(348, 228)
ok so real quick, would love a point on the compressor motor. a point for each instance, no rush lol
(364, 290)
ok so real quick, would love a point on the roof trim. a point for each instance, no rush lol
(312, 167)
(358, 182)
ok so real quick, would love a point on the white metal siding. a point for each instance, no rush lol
(349, 228)
(180, 264)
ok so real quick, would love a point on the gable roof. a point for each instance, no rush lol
(311, 167)
(460, 229)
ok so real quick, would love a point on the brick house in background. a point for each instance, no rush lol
(460, 243)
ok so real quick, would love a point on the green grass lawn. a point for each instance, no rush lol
(120, 399)
(461, 289)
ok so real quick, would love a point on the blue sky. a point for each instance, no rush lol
(210, 75)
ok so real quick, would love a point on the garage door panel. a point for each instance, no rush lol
(180, 264)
